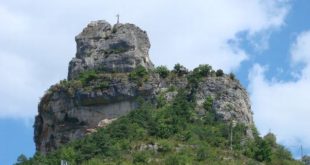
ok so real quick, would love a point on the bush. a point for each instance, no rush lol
(264, 152)
(165, 146)
(87, 76)
(178, 159)
(232, 76)
(140, 157)
(270, 138)
(102, 85)
(219, 73)
(94, 161)
(198, 73)
(202, 153)
(207, 104)
(161, 100)
(163, 71)
(210, 116)
(179, 69)
(139, 75)
(202, 70)
(21, 159)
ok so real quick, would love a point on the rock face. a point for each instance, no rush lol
(231, 100)
(116, 49)
(74, 108)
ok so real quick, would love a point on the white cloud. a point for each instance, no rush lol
(17, 87)
(201, 31)
(11, 23)
(281, 106)
(38, 37)
(301, 53)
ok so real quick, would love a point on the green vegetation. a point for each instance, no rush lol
(87, 80)
(87, 76)
(170, 134)
(202, 70)
(219, 73)
(139, 75)
(179, 69)
(163, 71)
(207, 105)
(232, 76)
(197, 74)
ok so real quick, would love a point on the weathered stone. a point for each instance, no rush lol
(230, 100)
(68, 113)
(103, 123)
(90, 130)
(120, 48)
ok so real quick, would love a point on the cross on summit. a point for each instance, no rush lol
(117, 16)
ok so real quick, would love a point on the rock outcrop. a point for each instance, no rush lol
(78, 106)
(115, 49)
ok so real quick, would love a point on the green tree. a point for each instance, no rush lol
(21, 159)
(270, 138)
(207, 104)
(179, 69)
(232, 76)
(139, 75)
(163, 71)
(263, 152)
(202, 70)
(219, 73)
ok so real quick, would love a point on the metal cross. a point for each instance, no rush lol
(117, 16)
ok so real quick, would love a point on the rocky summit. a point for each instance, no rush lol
(112, 73)
(115, 49)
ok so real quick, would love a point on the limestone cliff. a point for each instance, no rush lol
(101, 87)
(115, 49)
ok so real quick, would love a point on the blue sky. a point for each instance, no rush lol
(266, 43)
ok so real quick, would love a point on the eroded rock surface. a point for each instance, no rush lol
(74, 108)
(120, 48)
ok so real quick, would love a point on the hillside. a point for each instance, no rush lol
(117, 108)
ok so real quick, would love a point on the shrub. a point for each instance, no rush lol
(198, 73)
(219, 73)
(165, 146)
(163, 71)
(282, 153)
(202, 70)
(161, 100)
(232, 76)
(94, 161)
(87, 76)
(177, 159)
(271, 139)
(264, 152)
(21, 159)
(202, 153)
(207, 105)
(140, 157)
(179, 69)
(102, 85)
(139, 75)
